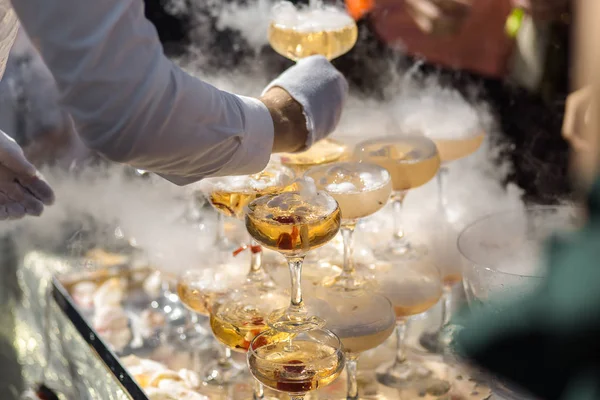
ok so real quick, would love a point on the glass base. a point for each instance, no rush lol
(432, 342)
(393, 252)
(221, 372)
(507, 392)
(409, 375)
(294, 321)
(439, 342)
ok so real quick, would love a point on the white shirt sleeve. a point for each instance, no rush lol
(8, 32)
(132, 104)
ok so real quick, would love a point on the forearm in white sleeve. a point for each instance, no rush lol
(132, 104)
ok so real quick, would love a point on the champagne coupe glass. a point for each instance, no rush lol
(412, 161)
(452, 149)
(230, 195)
(326, 151)
(198, 290)
(360, 189)
(362, 320)
(448, 260)
(239, 317)
(501, 259)
(293, 223)
(296, 365)
(296, 33)
(413, 287)
(196, 213)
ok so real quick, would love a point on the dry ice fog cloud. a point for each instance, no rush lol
(151, 212)
(148, 211)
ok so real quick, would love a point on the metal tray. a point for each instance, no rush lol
(66, 303)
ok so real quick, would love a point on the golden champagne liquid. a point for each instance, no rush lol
(296, 43)
(411, 295)
(359, 205)
(288, 224)
(197, 300)
(414, 309)
(454, 149)
(406, 162)
(360, 189)
(305, 367)
(238, 333)
(232, 204)
(325, 151)
(230, 195)
(452, 279)
(235, 323)
(362, 340)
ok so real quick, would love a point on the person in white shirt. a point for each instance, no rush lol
(131, 104)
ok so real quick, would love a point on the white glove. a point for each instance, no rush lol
(22, 190)
(320, 89)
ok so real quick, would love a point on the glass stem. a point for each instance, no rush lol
(255, 260)
(399, 239)
(446, 306)
(351, 371)
(348, 237)
(194, 320)
(225, 356)
(259, 391)
(295, 265)
(400, 336)
(441, 183)
(256, 273)
(220, 228)
(165, 288)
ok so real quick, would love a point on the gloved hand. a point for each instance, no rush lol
(22, 190)
(320, 89)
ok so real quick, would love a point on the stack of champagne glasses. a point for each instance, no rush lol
(298, 348)
(297, 338)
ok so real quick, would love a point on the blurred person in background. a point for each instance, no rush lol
(131, 104)
(548, 343)
(464, 44)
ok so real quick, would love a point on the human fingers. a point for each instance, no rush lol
(39, 188)
(12, 157)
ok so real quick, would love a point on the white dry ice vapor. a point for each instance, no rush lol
(147, 210)
(252, 19)
(352, 178)
(308, 191)
(436, 112)
(273, 175)
(307, 19)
